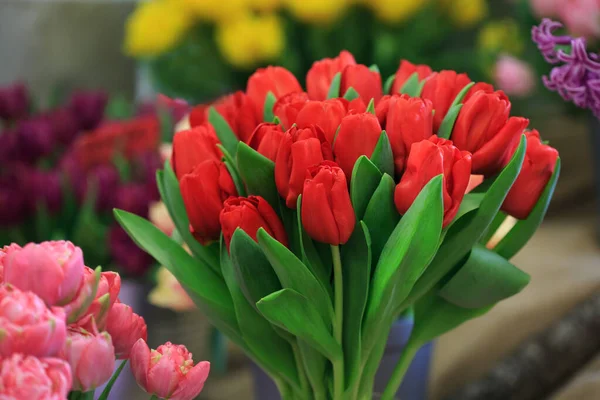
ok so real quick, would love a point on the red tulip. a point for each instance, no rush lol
(356, 106)
(299, 150)
(327, 213)
(266, 139)
(484, 129)
(442, 88)
(199, 114)
(428, 159)
(479, 87)
(276, 80)
(250, 214)
(358, 135)
(409, 120)
(538, 167)
(405, 70)
(193, 146)
(366, 82)
(125, 328)
(322, 72)
(326, 114)
(204, 190)
(287, 108)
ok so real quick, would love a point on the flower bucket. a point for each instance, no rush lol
(414, 386)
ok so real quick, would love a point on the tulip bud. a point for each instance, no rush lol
(426, 160)
(288, 107)
(266, 139)
(276, 80)
(358, 135)
(125, 328)
(91, 356)
(29, 377)
(168, 372)
(489, 142)
(27, 325)
(194, 146)
(88, 108)
(14, 102)
(249, 214)
(405, 71)
(538, 167)
(327, 115)
(366, 82)
(299, 150)
(322, 72)
(107, 293)
(204, 190)
(409, 120)
(441, 89)
(327, 213)
(52, 270)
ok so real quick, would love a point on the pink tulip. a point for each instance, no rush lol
(91, 356)
(31, 378)
(581, 17)
(125, 328)
(106, 295)
(513, 76)
(3, 253)
(545, 8)
(27, 326)
(77, 308)
(52, 270)
(168, 372)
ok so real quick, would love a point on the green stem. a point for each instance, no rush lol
(304, 384)
(154, 397)
(218, 350)
(338, 287)
(107, 389)
(396, 379)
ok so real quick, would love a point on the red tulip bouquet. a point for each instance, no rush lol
(316, 218)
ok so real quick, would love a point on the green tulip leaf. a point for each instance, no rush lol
(381, 216)
(289, 217)
(493, 228)
(389, 82)
(356, 272)
(258, 173)
(523, 230)
(334, 88)
(413, 87)
(447, 124)
(365, 179)
(484, 279)
(293, 274)
(293, 312)
(382, 155)
(371, 107)
(270, 101)
(233, 171)
(224, 132)
(351, 94)
(374, 68)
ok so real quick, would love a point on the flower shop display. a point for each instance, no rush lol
(64, 168)
(63, 328)
(226, 42)
(316, 219)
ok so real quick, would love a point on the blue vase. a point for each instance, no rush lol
(414, 386)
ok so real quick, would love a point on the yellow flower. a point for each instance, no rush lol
(215, 10)
(317, 11)
(251, 39)
(264, 5)
(168, 293)
(501, 36)
(396, 11)
(466, 13)
(155, 27)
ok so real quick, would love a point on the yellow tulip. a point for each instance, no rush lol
(467, 13)
(317, 11)
(168, 293)
(396, 11)
(215, 10)
(264, 5)
(154, 28)
(501, 36)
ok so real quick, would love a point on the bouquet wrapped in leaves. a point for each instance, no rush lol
(316, 218)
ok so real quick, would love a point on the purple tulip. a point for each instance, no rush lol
(145, 167)
(34, 139)
(8, 146)
(13, 200)
(88, 108)
(44, 187)
(64, 125)
(106, 180)
(14, 102)
(126, 254)
(132, 197)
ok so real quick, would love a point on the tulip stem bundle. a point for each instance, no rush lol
(311, 235)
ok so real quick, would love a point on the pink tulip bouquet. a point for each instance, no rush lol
(316, 218)
(62, 328)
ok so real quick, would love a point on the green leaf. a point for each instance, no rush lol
(293, 312)
(334, 88)
(371, 107)
(119, 108)
(381, 215)
(293, 274)
(258, 173)
(224, 132)
(365, 179)
(254, 273)
(374, 68)
(467, 231)
(233, 171)
(485, 279)
(271, 351)
(389, 82)
(447, 125)
(356, 272)
(523, 230)
(166, 124)
(412, 86)
(382, 155)
(270, 100)
(351, 94)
